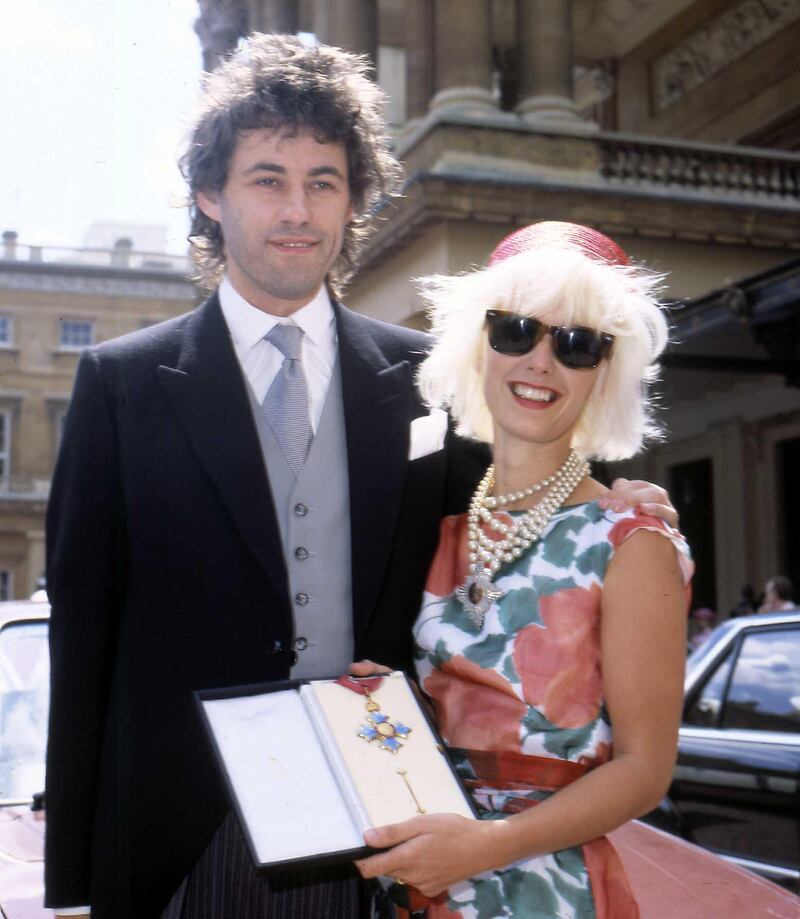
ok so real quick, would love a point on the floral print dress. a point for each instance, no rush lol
(520, 704)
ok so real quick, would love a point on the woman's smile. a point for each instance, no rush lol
(532, 395)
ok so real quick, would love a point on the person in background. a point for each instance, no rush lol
(747, 602)
(552, 634)
(778, 595)
(703, 619)
(40, 594)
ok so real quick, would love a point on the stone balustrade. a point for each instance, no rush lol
(121, 256)
(24, 488)
(759, 174)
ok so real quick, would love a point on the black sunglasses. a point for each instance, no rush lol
(575, 347)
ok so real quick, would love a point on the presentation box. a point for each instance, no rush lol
(311, 764)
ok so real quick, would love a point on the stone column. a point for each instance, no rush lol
(348, 24)
(419, 57)
(121, 253)
(9, 245)
(463, 56)
(274, 16)
(219, 27)
(546, 89)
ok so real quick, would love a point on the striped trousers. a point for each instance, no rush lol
(224, 885)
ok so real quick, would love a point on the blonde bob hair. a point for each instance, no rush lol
(561, 286)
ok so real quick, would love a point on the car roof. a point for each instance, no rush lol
(22, 610)
(760, 619)
(788, 615)
(725, 633)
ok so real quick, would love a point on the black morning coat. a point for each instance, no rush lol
(166, 575)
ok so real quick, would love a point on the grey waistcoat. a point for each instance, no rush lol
(314, 519)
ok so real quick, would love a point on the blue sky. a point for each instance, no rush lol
(95, 98)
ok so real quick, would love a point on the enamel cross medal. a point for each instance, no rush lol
(388, 734)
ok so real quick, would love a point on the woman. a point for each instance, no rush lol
(546, 618)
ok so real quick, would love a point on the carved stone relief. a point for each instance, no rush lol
(728, 38)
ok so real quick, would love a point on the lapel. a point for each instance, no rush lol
(210, 398)
(377, 411)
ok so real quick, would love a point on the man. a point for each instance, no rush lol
(778, 595)
(235, 502)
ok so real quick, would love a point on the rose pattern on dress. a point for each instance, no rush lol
(476, 708)
(560, 660)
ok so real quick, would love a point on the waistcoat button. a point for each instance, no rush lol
(301, 643)
(301, 599)
(300, 510)
(301, 553)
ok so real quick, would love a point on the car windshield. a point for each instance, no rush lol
(24, 694)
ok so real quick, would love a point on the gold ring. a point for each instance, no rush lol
(398, 881)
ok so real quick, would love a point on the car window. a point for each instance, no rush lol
(24, 693)
(764, 691)
(706, 708)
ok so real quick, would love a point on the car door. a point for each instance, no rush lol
(737, 782)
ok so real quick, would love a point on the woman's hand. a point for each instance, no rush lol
(652, 499)
(433, 851)
(367, 668)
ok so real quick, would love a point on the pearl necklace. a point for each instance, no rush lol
(488, 555)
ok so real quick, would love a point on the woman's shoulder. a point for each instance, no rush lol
(588, 521)
(625, 524)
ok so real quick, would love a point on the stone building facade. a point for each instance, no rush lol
(672, 125)
(53, 303)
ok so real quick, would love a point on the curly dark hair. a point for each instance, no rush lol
(278, 82)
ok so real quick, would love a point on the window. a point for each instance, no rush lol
(788, 457)
(706, 709)
(5, 447)
(6, 331)
(764, 693)
(57, 412)
(6, 584)
(58, 421)
(691, 487)
(76, 334)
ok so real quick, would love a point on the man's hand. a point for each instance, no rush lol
(367, 668)
(652, 499)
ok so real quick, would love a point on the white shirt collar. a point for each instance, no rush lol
(248, 325)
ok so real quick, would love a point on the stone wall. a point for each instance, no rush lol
(36, 378)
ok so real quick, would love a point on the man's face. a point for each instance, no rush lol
(283, 212)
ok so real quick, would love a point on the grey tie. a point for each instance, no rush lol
(285, 405)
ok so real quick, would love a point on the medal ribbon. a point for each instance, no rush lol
(362, 685)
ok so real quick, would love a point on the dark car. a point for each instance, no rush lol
(736, 786)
